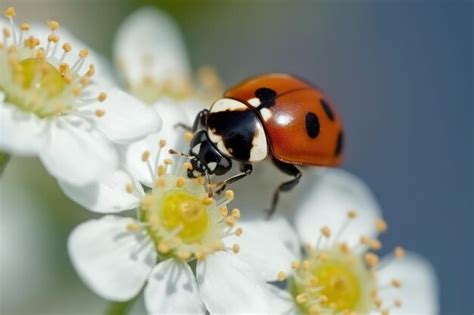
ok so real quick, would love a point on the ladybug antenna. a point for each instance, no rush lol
(172, 151)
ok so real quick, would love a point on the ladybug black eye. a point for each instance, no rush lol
(312, 125)
(266, 96)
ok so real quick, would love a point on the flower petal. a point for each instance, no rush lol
(149, 45)
(107, 196)
(327, 202)
(132, 154)
(268, 246)
(419, 289)
(76, 153)
(113, 262)
(229, 285)
(281, 301)
(126, 119)
(21, 132)
(172, 289)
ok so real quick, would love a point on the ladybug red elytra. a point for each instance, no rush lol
(271, 115)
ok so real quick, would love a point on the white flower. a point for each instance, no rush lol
(52, 107)
(157, 70)
(178, 227)
(340, 272)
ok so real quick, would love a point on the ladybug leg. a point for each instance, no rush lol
(245, 170)
(291, 170)
(200, 122)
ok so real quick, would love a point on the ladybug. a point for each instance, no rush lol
(275, 116)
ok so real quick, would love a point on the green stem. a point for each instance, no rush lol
(119, 308)
(4, 158)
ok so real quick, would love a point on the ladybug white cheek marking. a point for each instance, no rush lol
(266, 113)
(259, 149)
(211, 166)
(225, 104)
(255, 102)
(219, 142)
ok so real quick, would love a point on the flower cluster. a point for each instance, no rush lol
(184, 246)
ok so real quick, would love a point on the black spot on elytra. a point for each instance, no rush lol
(327, 109)
(312, 125)
(237, 129)
(339, 143)
(266, 96)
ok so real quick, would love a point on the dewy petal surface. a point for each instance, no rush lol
(326, 203)
(149, 44)
(419, 287)
(268, 245)
(172, 289)
(76, 153)
(21, 132)
(107, 196)
(229, 285)
(113, 262)
(126, 119)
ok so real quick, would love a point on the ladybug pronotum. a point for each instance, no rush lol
(272, 115)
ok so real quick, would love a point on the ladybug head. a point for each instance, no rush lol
(206, 158)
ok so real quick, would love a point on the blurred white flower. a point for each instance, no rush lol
(340, 272)
(157, 70)
(178, 226)
(51, 106)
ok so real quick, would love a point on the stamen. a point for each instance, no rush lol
(371, 259)
(235, 248)
(381, 225)
(281, 276)
(399, 252)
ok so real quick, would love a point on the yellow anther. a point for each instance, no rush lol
(224, 211)
(396, 283)
(371, 259)
(323, 299)
(375, 244)
(163, 247)
(188, 136)
(229, 194)
(63, 69)
(326, 231)
(397, 303)
(322, 258)
(364, 239)
(10, 12)
(344, 248)
(207, 201)
(40, 54)
(385, 312)
(301, 298)
(218, 245)
(102, 97)
(160, 183)
(180, 182)
(161, 170)
(83, 53)
(399, 252)
(25, 27)
(235, 213)
(352, 214)
(295, 264)
(53, 25)
(100, 113)
(378, 302)
(200, 180)
(230, 221)
(235, 248)
(133, 227)
(281, 276)
(145, 156)
(381, 225)
(162, 143)
(187, 166)
(238, 231)
(6, 32)
(168, 161)
(53, 38)
(183, 255)
(129, 188)
(91, 70)
(315, 310)
(84, 80)
(67, 47)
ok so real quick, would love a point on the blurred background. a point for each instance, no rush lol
(399, 71)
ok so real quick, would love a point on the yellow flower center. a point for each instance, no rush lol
(340, 285)
(39, 75)
(180, 209)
